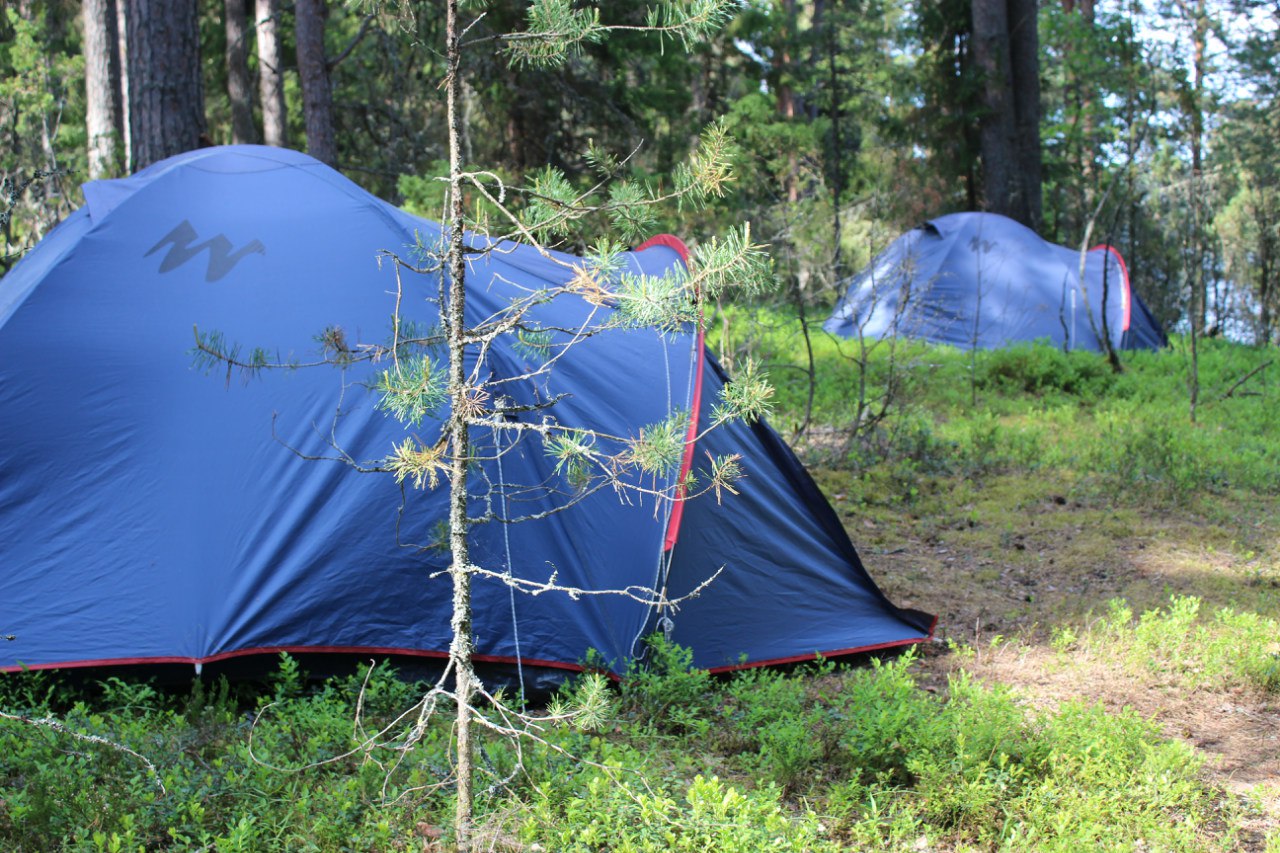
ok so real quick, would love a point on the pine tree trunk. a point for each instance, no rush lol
(271, 73)
(239, 87)
(997, 125)
(102, 87)
(1024, 56)
(460, 650)
(317, 95)
(166, 94)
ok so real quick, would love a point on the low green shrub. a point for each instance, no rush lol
(1041, 368)
(223, 781)
(618, 814)
(820, 758)
(1229, 648)
(665, 690)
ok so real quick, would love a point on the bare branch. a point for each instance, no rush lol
(61, 728)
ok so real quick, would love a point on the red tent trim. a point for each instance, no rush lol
(677, 511)
(1126, 295)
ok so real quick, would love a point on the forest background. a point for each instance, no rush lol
(1150, 125)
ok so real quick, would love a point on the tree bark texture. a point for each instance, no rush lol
(122, 52)
(239, 86)
(462, 645)
(271, 73)
(103, 112)
(317, 94)
(1024, 67)
(166, 94)
(996, 126)
(1005, 47)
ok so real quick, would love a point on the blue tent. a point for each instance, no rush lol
(151, 512)
(982, 279)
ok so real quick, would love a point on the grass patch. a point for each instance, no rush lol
(1027, 408)
(1223, 649)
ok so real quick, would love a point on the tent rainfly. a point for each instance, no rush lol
(153, 513)
(982, 280)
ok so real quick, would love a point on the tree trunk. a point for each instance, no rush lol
(1266, 261)
(166, 94)
(122, 52)
(461, 647)
(271, 73)
(1199, 40)
(239, 87)
(997, 125)
(786, 97)
(1006, 54)
(103, 113)
(317, 94)
(1024, 55)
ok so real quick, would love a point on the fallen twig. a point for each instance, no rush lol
(61, 728)
(1243, 379)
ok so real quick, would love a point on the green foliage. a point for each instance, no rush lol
(778, 731)
(837, 758)
(552, 206)
(42, 104)
(1230, 648)
(708, 815)
(629, 211)
(745, 397)
(665, 690)
(662, 302)
(420, 463)
(659, 448)
(1042, 368)
(413, 389)
(556, 32)
(708, 169)
(1123, 437)
(732, 264)
(61, 793)
(212, 352)
(533, 344)
(573, 455)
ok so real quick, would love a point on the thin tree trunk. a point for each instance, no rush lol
(122, 52)
(1265, 263)
(166, 93)
(102, 86)
(837, 151)
(317, 94)
(239, 87)
(1193, 11)
(461, 647)
(787, 100)
(1200, 39)
(811, 373)
(271, 73)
